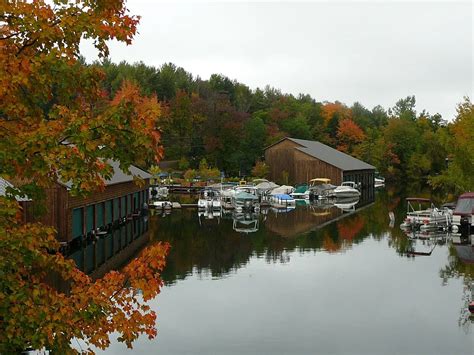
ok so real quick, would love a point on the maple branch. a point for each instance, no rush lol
(26, 45)
(10, 36)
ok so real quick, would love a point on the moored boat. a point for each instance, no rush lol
(209, 200)
(463, 215)
(320, 188)
(348, 189)
(282, 201)
(426, 215)
(301, 192)
(245, 201)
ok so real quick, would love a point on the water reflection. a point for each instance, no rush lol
(113, 249)
(460, 265)
(317, 268)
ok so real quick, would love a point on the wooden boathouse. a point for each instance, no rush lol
(302, 160)
(78, 218)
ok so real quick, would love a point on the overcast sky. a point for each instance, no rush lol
(372, 52)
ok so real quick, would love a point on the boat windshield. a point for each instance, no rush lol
(348, 183)
(465, 206)
(319, 181)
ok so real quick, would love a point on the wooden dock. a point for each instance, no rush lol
(178, 189)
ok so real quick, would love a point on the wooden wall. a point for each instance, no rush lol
(280, 158)
(301, 167)
(51, 212)
(307, 168)
(110, 192)
(59, 205)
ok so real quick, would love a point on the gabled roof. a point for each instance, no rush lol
(119, 176)
(4, 184)
(329, 155)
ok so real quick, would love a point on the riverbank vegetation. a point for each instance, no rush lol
(229, 124)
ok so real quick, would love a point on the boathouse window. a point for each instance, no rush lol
(123, 206)
(108, 211)
(135, 201)
(89, 218)
(100, 214)
(116, 209)
(129, 204)
(100, 251)
(77, 222)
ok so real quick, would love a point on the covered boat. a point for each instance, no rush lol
(463, 215)
(282, 201)
(244, 200)
(264, 187)
(320, 188)
(283, 189)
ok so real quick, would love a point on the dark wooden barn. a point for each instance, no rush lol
(77, 218)
(302, 160)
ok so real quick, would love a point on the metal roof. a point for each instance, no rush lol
(331, 156)
(3, 190)
(119, 176)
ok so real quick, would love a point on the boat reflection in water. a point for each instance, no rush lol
(245, 222)
(422, 243)
(209, 215)
(113, 249)
(347, 204)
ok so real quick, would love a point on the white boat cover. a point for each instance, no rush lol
(284, 189)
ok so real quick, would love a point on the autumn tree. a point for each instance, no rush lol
(260, 170)
(458, 177)
(57, 124)
(349, 135)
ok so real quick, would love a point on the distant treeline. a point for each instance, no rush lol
(229, 124)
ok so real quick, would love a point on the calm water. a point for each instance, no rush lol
(313, 280)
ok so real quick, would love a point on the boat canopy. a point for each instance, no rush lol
(301, 189)
(282, 190)
(258, 181)
(245, 196)
(465, 205)
(320, 180)
(266, 185)
(418, 199)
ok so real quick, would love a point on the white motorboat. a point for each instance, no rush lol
(379, 182)
(161, 204)
(209, 200)
(347, 189)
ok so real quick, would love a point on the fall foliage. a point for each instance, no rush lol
(229, 124)
(58, 124)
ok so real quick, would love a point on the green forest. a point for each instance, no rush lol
(229, 124)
